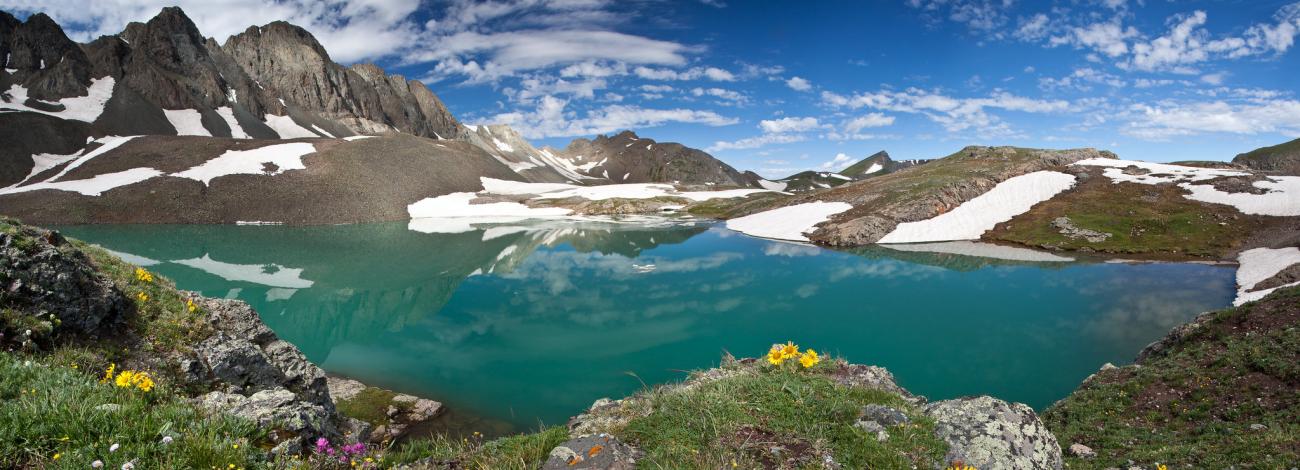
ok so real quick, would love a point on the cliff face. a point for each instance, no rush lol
(1282, 158)
(237, 89)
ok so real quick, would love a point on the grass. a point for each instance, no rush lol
(1195, 405)
(524, 451)
(734, 207)
(48, 407)
(739, 418)
(1142, 219)
(370, 405)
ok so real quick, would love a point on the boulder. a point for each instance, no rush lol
(600, 451)
(991, 434)
(42, 275)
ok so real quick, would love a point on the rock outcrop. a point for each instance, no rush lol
(1282, 159)
(991, 434)
(42, 274)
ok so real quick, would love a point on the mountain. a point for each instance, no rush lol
(1282, 158)
(628, 158)
(875, 165)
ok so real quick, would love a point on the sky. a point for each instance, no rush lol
(784, 87)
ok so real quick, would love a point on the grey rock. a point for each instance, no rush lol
(592, 452)
(42, 275)
(1258, 427)
(869, 426)
(992, 434)
(1082, 451)
(1066, 227)
(884, 415)
(856, 375)
(279, 409)
(109, 407)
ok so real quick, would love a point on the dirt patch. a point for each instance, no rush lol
(773, 451)
(1286, 276)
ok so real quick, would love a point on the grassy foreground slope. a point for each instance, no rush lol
(1220, 392)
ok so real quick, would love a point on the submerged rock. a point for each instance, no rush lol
(991, 434)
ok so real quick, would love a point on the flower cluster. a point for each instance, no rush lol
(353, 455)
(143, 275)
(190, 306)
(789, 351)
(959, 465)
(128, 378)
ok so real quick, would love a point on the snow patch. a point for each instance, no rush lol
(93, 186)
(286, 128)
(974, 217)
(1282, 198)
(502, 145)
(788, 223)
(874, 168)
(357, 137)
(78, 108)
(250, 162)
(228, 115)
(187, 122)
(1159, 172)
(322, 131)
(772, 185)
(1258, 265)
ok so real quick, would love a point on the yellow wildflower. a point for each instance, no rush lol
(809, 359)
(130, 378)
(774, 356)
(1161, 467)
(142, 275)
(143, 297)
(108, 373)
(790, 350)
(959, 465)
(189, 305)
(56, 456)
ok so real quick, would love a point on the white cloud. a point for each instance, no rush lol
(1109, 38)
(788, 124)
(729, 95)
(657, 88)
(798, 84)
(1251, 117)
(1214, 78)
(954, 114)
(693, 73)
(552, 119)
(1033, 28)
(756, 142)
(1082, 79)
(870, 120)
(840, 162)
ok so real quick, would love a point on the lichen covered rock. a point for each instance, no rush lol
(991, 434)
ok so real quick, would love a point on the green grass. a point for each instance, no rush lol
(740, 417)
(370, 405)
(1194, 407)
(1142, 219)
(734, 207)
(48, 407)
(524, 451)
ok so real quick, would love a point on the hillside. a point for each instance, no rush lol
(628, 158)
(1282, 158)
(1218, 392)
(876, 165)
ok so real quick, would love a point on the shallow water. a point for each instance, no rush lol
(525, 323)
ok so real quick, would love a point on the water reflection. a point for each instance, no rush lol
(524, 322)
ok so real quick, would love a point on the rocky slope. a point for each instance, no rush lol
(880, 204)
(221, 180)
(628, 158)
(1283, 159)
(876, 165)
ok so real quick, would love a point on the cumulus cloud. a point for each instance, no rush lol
(840, 162)
(798, 84)
(551, 118)
(731, 96)
(788, 124)
(954, 114)
(694, 73)
(1249, 117)
(756, 142)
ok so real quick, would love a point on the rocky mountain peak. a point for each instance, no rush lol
(45, 61)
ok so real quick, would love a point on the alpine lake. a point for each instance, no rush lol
(519, 324)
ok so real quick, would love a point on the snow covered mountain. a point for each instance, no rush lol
(876, 165)
(628, 158)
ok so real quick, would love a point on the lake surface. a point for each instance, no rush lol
(512, 325)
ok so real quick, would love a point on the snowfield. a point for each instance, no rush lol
(772, 185)
(250, 162)
(187, 122)
(968, 221)
(1283, 198)
(286, 128)
(602, 192)
(1258, 265)
(874, 168)
(79, 108)
(788, 223)
(93, 186)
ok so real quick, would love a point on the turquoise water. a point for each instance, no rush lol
(520, 324)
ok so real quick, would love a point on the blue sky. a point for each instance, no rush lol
(781, 87)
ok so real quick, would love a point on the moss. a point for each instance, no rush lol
(370, 405)
(520, 452)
